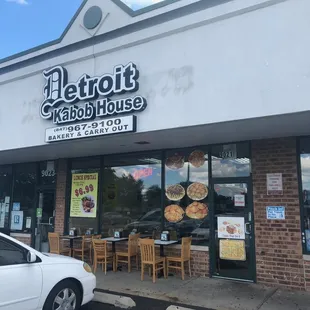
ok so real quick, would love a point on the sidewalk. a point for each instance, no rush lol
(204, 292)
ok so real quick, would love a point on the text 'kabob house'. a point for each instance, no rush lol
(85, 108)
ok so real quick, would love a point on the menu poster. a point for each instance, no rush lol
(232, 250)
(2, 215)
(230, 227)
(84, 192)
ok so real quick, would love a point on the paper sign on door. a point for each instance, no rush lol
(239, 200)
(230, 227)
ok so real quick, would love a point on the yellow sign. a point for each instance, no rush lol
(84, 192)
(232, 250)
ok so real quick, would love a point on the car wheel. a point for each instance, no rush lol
(66, 295)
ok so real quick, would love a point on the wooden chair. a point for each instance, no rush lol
(148, 257)
(133, 251)
(178, 262)
(93, 237)
(55, 245)
(101, 255)
(84, 249)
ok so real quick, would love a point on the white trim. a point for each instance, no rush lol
(19, 235)
(306, 257)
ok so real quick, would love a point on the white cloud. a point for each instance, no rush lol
(131, 3)
(22, 2)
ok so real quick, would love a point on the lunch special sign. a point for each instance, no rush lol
(84, 191)
(96, 114)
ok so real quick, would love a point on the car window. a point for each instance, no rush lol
(10, 254)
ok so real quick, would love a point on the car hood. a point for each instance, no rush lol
(55, 258)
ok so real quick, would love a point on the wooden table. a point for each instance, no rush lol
(162, 254)
(164, 243)
(113, 241)
(71, 238)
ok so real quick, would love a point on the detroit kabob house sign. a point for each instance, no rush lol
(96, 114)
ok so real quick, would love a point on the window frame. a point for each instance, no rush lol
(18, 247)
(300, 192)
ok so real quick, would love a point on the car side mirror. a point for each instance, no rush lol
(31, 257)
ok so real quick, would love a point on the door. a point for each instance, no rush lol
(233, 251)
(23, 281)
(45, 219)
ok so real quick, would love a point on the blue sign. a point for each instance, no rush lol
(275, 213)
(16, 206)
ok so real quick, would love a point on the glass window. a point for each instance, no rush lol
(5, 196)
(24, 196)
(10, 254)
(231, 160)
(186, 210)
(305, 180)
(132, 194)
(80, 166)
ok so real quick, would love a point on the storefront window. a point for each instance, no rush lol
(5, 196)
(131, 194)
(84, 202)
(305, 180)
(186, 209)
(231, 160)
(23, 202)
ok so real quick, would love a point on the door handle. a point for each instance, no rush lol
(248, 228)
(50, 221)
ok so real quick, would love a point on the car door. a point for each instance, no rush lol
(21, 282)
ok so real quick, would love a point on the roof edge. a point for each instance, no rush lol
(119, 3)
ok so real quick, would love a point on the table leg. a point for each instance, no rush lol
(71, 246)
(162, 254)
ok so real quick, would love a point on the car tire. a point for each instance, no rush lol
(61, 291)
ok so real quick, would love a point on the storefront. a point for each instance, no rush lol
(166, 118)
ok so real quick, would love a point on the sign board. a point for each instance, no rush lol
(92, 129)
(88, 102)
(84, 191)
(17, 218)
(16, 206)
(39, 212)
(275, 213)
(230, 227)
(232, 250)
(239, 200)
(274, 184)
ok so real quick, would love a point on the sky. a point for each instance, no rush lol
(28, 23)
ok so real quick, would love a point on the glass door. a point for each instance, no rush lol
(233, 250)
(45, 219)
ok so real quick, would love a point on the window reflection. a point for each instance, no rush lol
(305, 179)
(186, 206)
(232, 160)
(132, 194)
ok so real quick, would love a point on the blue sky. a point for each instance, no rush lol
(28, 23)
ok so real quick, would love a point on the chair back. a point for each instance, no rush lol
(86, 241)
(96, 237)
(54, 243)
(100, 247)
(186, 248)
(133, 244)
(147, 248)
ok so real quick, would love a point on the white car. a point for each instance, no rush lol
(30, 280)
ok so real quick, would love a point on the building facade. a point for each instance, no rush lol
(187, 116)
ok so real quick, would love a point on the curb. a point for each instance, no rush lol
(115, 300)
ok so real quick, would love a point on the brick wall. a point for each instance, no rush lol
(61, 196)
(279, 259)
(26, 240)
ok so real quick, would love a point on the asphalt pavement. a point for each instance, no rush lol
(143, 303)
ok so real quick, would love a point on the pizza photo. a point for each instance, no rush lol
(197, 191)
(197, 158)
(175, 192)
(175, 162)
(174, 213)
(197, 210)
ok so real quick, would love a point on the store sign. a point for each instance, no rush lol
(61, 98)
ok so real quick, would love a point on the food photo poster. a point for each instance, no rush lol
(84, 192)
(231, 227)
